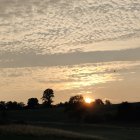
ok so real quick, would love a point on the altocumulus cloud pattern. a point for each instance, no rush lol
(64, 26)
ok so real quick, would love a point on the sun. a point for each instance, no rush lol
(88, 100)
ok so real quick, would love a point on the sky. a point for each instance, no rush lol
(88, 47)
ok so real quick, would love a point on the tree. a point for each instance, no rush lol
(47, 97)
(21, 105)
(76, 99)
(107, 102)
(2, 105)
(76, 107)
(14, 105)
(99, 102)
(32, 102)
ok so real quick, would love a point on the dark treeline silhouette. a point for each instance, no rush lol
(99, 111)
(11, 105)
(76, 108)
(32, 103)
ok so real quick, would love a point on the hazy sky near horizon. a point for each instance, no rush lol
(89, 47)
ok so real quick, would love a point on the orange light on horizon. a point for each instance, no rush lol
(88, 100)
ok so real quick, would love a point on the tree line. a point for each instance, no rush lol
(96, 111)
(47, 100)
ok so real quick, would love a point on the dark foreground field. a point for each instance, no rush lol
(55, 125)
(56, 131)
(36, 132)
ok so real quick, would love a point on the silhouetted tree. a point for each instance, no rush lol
(107, 102)
(13, 105)
(47, 97)
(99, 102)
(76, 108)
(21, 105)
(32, 102)
(9, 105)
(76, 99)
(2, 105)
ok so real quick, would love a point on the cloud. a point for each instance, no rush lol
(23, 83)
(62, 26)
(30, 59)
(65, 77)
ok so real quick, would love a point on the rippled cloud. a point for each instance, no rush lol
(63, 26)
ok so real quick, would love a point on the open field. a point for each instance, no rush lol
(60, 131)
(54, 124)
(108, 132)
(35, 132)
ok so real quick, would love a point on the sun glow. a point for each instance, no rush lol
(88, 100)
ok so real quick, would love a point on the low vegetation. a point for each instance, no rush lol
(34, 132)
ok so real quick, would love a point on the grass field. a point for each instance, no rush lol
(60, 131)
(51, 124)
(36, 132)
(108, 132)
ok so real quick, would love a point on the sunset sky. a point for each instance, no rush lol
(89, 47)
